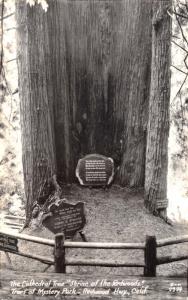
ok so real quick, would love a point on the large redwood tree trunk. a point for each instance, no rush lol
(101, 53)
(158, 123)
(133, 103)
(84, 77)
(37, 120)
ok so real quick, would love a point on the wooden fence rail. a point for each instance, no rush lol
(151, 261)
(29, 238)
(102, 263)
(69, 244)
(172, 241)
(43, 259)
(170, 259)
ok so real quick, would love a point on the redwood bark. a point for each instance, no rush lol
(101, 52)
(158, 124)
(38, 147)
(136, 95)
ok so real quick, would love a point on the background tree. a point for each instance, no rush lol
(179, 103)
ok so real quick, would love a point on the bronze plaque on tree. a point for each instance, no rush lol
(65, 217)
(8, 243)
(95, 170)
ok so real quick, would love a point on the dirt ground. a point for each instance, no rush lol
(113, 215)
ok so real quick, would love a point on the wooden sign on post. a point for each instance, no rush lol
(65, 218)
(8, 243)
(95, 170)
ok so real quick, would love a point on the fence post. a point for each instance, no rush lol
(59, 253)
(150, 256)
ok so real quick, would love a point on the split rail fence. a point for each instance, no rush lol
(60, 261)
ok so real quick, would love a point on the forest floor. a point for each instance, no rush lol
(113, 215)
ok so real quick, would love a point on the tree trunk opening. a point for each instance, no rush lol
(94, 78)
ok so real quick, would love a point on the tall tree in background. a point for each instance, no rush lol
(84, 75)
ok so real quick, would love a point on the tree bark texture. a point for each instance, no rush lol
(37, 120)
(158, 123)
(101, 52)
